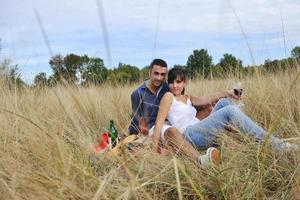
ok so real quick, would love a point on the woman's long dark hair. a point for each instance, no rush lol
(176, 72)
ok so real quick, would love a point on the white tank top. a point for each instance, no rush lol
(182, 115)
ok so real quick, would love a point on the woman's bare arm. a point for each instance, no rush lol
(200, 101)
(205, 101)
(164, 108)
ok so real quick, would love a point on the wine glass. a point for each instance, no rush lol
(238, 90)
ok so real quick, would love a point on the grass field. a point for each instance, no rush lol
(44, 136)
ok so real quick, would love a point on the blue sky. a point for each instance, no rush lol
(73, 26)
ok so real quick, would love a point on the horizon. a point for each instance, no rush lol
(135, 32)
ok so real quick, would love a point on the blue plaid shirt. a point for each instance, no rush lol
(145, 104)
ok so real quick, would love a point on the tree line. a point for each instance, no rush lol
(85, 70)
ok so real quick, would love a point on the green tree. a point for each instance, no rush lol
(179, 66)
(217, 71)
(51, 81)
(144, 73)
(92, 71)
(57, 64)
(72, 63)
(65, 68)
(10, 74)
(272, 66)
(4, 67)
(126, 73)
(230, 64)
(40, 80)
(296, 52)
(200, 62)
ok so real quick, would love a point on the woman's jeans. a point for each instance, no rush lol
(203, 133)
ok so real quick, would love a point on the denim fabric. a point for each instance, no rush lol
(203, 133)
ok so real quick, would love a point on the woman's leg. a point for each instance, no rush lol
(205, 131)
(174, 140)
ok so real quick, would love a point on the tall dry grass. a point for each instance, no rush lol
(44, 136)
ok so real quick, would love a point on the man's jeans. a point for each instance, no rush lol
(203, 133)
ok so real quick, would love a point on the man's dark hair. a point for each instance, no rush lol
(158, 62)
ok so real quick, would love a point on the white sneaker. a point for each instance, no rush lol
(211, 158)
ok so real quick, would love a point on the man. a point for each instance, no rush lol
(145, 101)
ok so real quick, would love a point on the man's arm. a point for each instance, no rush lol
(136, 113)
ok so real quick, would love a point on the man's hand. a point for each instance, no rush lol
(143, 126)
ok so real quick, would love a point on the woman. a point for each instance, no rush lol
(180, 112)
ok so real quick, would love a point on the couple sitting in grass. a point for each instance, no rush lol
(162, 111)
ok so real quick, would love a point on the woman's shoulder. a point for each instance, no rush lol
(168, 95)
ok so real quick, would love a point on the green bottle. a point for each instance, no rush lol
(113, 133)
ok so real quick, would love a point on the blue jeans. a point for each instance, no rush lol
(203, 133)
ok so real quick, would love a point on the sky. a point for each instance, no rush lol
(136, 31)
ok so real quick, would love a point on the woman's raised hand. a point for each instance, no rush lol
(232, 94)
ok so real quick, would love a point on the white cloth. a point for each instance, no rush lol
(182, 115)
(165, 126)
